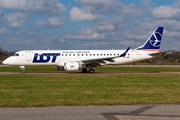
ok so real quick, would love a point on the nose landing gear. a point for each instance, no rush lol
(22, 69)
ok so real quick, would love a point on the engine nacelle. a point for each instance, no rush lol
(72, 66)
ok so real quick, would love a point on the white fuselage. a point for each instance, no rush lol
(59, 57)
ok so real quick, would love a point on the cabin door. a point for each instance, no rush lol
(28, 55)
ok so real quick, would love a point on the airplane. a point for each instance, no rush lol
(86, 60)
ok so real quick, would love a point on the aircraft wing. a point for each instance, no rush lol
(99, 61)
(161, 53)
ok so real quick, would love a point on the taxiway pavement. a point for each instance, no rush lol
(135, 112)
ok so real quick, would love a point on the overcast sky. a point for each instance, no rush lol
(87, 24)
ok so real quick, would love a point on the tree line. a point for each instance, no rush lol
(4, 54)
(172, 58)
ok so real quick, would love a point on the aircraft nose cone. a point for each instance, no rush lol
(5, 62)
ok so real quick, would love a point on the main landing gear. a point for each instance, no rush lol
(84, 70)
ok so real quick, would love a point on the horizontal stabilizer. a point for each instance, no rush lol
(161, 53)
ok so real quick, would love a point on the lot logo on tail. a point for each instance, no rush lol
(155, 39)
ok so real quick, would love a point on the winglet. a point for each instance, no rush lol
(124, 54)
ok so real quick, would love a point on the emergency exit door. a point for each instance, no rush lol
(134, 54)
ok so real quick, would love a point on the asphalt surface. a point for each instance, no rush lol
(139, 112)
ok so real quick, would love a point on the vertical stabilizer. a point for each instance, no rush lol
(154, 41)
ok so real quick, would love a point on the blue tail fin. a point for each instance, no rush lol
(154, 41)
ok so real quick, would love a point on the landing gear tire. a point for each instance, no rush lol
(91, 70)
(22, 71)
(84, 70)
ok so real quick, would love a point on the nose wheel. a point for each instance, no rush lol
(22, 71)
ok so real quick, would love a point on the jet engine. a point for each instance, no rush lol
(72, 66)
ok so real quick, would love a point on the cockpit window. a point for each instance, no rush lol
(16, 54)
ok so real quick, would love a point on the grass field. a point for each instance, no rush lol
(33, 90)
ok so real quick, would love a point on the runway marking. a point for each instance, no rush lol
(136, 115)
(138, 111)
